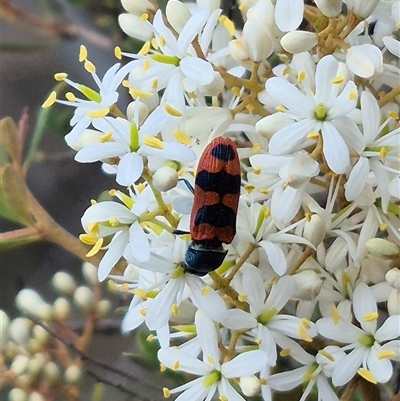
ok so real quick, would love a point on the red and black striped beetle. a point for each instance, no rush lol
(216, 198)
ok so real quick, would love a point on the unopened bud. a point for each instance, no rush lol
(19, 364)
(4, 328)
(72, 374)
(20, 331)
(314, 230)
(250, 385)
(137, 7)
(103, 307)
(29, 301)
(177, 14)
(64, 283)
(17, 394)
(330, 8)
(215, 87)
(135, 27)
(35, 396)
(51, 372)
(308, 285)
(393, 278)
(83, 298)
(143, 112)
(40, 334)
(165, 178)
(393, 302)
(256, 40)
(36, 364)
(61, 309)
(89, 272)
(362, 8)
(382, 248)
(299, 41)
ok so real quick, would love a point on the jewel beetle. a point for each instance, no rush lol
(216, 199)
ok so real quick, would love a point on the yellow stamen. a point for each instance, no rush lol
(111, 286)
(210, 359)
(267, 213)
(235, 91)
(257, 171)
(144, 17)
(287, 70)
(172, 111)
(242, 297)
(154, 83)
(228, 24)
(154, 43)
(308, 216)
(250, 108)
(223, 398)
(113, 221)
(181, 137)
(174, 310)
(249, 188)
(337, 80)
(106, 137)
(301, 76)
(166, 392)
(327, 355)
(163, 368)
(367, 375)
(140, 293)
(96, 248)
(153, 142)
(60, 76)
(145, 49)
(150, 338)
(82, 53)
(205, 290)
(98, 113)
(383, 153)
(163, 42)
(335, 315)
(383, 226)
(89, 67)
(353, 95)
(313, 135)
(285, 352)
(70, 96)
(386, 354)
(393, 115)
(176, 365)
(146, 65)
(280, 108)
(118, 52)
(136, 93)
(302, 330)
(50, 100)
(140, 187)
(371, 316)
(143, 312)
(264, 191)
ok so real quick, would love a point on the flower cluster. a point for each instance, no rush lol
(309, 94)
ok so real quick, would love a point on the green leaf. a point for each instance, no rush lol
(26, 237)
(9, 138)
(13, 197)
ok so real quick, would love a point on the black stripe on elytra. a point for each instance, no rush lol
(218, 215)
(222, 182)
(223, 152)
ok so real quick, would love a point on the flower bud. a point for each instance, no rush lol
(17, 394)
(382, 248)
(135, 27)
(84, 298)
(330, 8)
(36, 364)
(103, 307)
(267, 126)
(4, 329)
(19, 331)
(299, 41)
(88, 137)
(131, 273)
(215, 87)
(362, 8)
(314, 230)
(393, 302)
(89, 272)
(256, 40)
(250, 385)
(308, 285)
(64, 283)
(72, 374)
(29, 301)
(177, 14)
(165, 178)
(143, 111)
(35, 396)
(40, 334)
(137, 7)
(19, 364)
(61, 309)
(393, 278)
(51, 372)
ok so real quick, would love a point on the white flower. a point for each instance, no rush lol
(267, 324)
(121, 221)
(289, 14)
(214, 375)
(378, 154)
(370, 347)
(316, 111)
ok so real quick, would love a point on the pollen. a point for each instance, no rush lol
(353, 95)
(280, 108)
(285, 352)
(50, 100)
(118, 52)
(153, 142)
(82, 53)
(166, 391)
(93, 202)
(205, 291)
(60, 76)
(140, 293)
(301, 76)
(172, 111)
(87, 239)
(371, 316)
(335, 315)
(176, 365)
(90, 67)
(258, 341)
(337, 80)
(243, 7)
(228, 24)
(70, 96)
(181, 137)
(144, 17)
(96, 248)
(98, 113)
(145, 49)
(367, 375)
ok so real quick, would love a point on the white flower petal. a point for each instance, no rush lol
(348, 367)
(280, 293)
(99, 151)
(289, 14)
(244, 364)
(207, 335)
(237, 319)
(285, 381)
(343, 331)
(392, 45)
(389, 330)
(253, 285)
(139, 243)
(130, 168)
(357, 179)
(197, 70)
(382, 369)
(324, 74)
(225, 389)
(275, 256)
(364, 303)
(364, 60)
